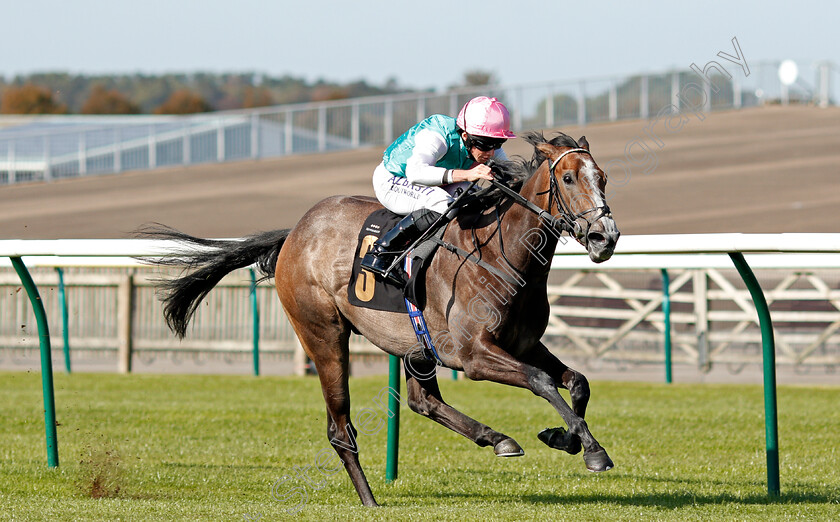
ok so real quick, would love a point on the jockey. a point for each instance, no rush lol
(422, 170)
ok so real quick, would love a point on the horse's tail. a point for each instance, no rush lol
(205, 263)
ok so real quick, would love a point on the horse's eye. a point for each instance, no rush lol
(567, 179)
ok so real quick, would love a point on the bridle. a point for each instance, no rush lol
(567, 220)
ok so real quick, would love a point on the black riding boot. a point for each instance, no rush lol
(392, 243)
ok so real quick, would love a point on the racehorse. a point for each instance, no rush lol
(490, 325)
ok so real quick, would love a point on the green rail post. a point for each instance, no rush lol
(255, 314)
(771, 423)
(666, 313)
(65, 321)
(393, 452)
(46, 359)
(454, 375)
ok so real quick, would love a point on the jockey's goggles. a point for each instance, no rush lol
(485, 144)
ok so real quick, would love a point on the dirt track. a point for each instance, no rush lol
(773, 169)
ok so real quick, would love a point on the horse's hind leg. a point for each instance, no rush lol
(326, 343)
(424, 397)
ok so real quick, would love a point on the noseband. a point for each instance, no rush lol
(567, 221)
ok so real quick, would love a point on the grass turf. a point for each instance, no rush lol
(146, 447)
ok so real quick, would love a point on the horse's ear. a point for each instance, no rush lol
(546, 149)
(583, 143)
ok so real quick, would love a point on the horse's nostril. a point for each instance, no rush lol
(596, 237)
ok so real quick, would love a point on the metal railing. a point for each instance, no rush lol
(599, 314)
(54, 147)
(609, 312)
(624, 315)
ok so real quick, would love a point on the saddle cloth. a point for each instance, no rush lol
(368, 290)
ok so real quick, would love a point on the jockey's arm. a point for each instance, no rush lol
(429, 148)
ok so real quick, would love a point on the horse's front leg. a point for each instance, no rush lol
(572, 380)
(488, 361)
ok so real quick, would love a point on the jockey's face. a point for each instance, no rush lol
(477, 152)
(481, 156)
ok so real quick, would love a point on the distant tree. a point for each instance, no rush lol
(209, 86)
(68, 89)
(256, 97)
(104, 101)
(327, 92)
(391, 84)
(184, 101)
(219, 91)
(289, 91)
(149, 91)
(477, 78)
(30, 99)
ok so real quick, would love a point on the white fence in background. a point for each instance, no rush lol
(607, 312)
(53, 147)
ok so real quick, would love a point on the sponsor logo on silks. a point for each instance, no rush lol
(397, 181)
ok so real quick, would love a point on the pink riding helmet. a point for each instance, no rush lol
(483, 116)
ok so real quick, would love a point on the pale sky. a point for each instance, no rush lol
(426, 43)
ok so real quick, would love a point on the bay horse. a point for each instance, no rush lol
(493, 325)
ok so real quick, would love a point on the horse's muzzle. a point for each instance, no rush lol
(601, 239)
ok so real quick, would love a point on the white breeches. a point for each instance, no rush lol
(403, 197)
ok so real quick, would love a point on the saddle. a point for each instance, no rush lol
(369, 291)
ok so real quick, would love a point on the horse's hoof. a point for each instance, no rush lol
(508, 448)
(561, 439)
(598, 461)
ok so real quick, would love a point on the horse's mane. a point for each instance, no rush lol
(516, 171)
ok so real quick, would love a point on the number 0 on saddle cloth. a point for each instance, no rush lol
(368, 291)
